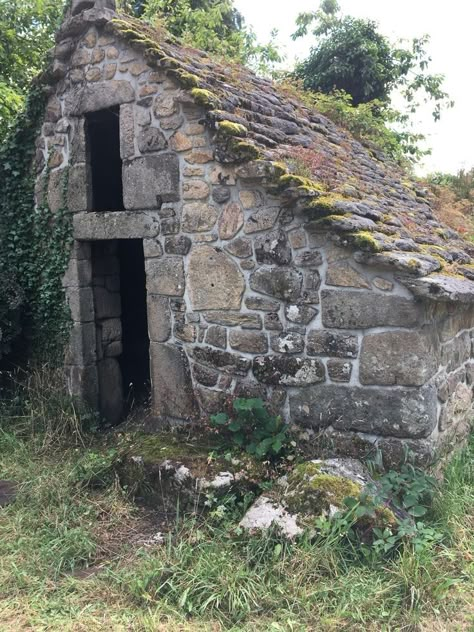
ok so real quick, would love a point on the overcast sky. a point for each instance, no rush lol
(450, 25)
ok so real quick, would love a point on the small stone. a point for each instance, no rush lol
(185, 332)
(151, 140)
(109, 71)
(248, 264)
(222, 175)
(383, 284)
(234, 319)
(81, 57)
(342, 274)
(170, 226)
(288, 370)
(240, 247)
(248, 341)
(222, 360)
(330, 343)
(164, 105)
(143, 117)
(251, 199)
(195, 190)
(98, 55)
(287, 342)
(94, 74)
(211, 401)
(177, 245)
(309, 258)
(180, 142)
(272, 322)
(205, 376)
(273, 248)
(152, 248)
(263, 219)
(339, 370)
(200, 157)
(297, 238)
(171, 122)
(300, 314)
(261, 304)
(230, 222)
(216, 336)
(112, 52)
(221, 194)
(199, 217)
(282, 283)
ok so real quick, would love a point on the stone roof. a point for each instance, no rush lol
(359, 195)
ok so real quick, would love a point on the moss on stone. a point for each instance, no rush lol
(205, 97)
(311, 491)
(187, 79)
(243, 151)
(228, 128)
(366, 241)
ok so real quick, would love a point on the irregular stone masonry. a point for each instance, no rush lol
(248, 295)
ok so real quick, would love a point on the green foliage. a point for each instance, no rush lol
(34, 248)
(461, 183)
(211, 25)
(373, 123)
(351, 55)
(253, 429)
(27, 30)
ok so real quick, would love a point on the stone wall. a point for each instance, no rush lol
(245, 296)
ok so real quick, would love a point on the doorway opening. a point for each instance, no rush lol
(103, 144)
(135, 358)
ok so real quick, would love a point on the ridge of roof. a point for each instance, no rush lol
(356, 193)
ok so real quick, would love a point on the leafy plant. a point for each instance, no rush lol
(253, 429)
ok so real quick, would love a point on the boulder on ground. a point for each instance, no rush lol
(311, 490)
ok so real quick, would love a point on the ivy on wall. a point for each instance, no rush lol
(34, 246)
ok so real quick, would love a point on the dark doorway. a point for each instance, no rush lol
(135, 359)
(103, 142)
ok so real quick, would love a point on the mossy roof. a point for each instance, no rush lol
(356, 192)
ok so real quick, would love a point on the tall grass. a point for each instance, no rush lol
(206, 575)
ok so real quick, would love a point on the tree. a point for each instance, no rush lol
(211, 25)
(26, 32)
(351, 55)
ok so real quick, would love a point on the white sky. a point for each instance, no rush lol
(451, 27)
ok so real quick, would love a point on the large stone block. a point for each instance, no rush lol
(332, 343)
(214, 280)
(165, 276)
(121, 225)
(288, 370)
(98, 96)
(404, 358)
(81, 304)
(83, 383)
(172, 388)
(222, 360)
(399, 412)
(150, 180)
(110, 389)
(78, 189)
(282, 283)
(359, 310)
(159, 318)
(82, 344)
(248, 341)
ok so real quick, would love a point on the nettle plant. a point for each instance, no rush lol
(253, 429)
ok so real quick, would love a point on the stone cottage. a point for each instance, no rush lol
(229, 241)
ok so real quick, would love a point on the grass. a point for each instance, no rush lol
(76, 554)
